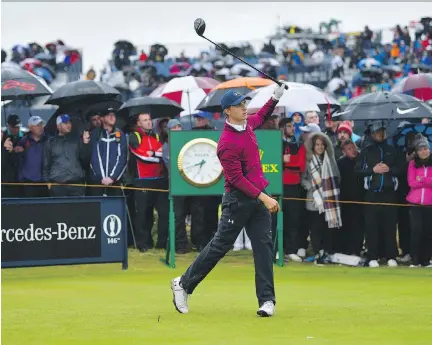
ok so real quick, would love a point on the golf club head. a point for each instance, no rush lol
(200, 26)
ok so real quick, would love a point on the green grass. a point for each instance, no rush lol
(103, 305)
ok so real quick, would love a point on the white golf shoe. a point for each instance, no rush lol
(373, 264)
(293, 257)
(301, 252)
(179, 296)
(267, 309)
(392, 263)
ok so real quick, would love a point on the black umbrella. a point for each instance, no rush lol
(399, 139)
(83, 91)
(383, 105)
(101, 106)
(20, 84)
(155, 106)
(125, 45)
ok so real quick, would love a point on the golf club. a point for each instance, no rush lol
(200, 27)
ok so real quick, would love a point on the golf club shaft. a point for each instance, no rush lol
(256, 69)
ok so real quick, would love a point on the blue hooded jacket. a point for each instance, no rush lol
(109, 154)
(297, 126)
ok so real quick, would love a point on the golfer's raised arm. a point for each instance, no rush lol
(262, 115)
(233, 172)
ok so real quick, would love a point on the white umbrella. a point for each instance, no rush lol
(335, 84)
(239, 68)
(270, 61)
(299, 97)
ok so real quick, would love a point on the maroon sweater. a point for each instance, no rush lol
(239, 155)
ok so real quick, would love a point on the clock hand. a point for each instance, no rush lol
(194, 165)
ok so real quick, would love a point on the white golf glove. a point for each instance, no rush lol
(278, 92)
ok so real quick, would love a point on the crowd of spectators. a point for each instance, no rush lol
(332, 164)
(349, 64)
(325, 167)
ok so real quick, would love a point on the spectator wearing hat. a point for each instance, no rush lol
(344, 133)
(64, 157)
(10, 161)
(420, 195)
(31, 148)
(109, 156)
(95, 121)
(205, 208)
(147, 169)
(351, 237)
(310, 128)
(294, 162)
(180, 202)
(379, 165)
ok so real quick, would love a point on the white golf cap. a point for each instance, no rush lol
(35, 121)
(310, 128)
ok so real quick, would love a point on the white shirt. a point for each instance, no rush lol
(238, 128)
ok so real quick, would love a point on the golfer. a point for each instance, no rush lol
(245, 203)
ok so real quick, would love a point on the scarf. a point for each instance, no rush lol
(326, 194)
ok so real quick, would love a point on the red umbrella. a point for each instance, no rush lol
(187, 91)
(417, 85)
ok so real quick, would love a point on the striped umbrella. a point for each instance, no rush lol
(186, 91)
(241, 85)
(417, 85)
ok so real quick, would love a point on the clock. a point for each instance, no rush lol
(199, 164)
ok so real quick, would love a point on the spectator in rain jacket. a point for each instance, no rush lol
(379, 165)
(31, 158)
(298, 121)
(109, 156)
(64, 157)
(420, 183)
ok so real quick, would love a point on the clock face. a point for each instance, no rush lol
(198, 162)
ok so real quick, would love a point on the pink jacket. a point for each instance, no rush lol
(420, 189)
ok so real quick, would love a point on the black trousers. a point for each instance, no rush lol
(204, 219)
(304, 224)
(145, 202)
(180, 212)
(421, 235)
(35, 191)
(60, 191)
(321, 235)
(238, 211)
(292, 214)
(380, 225)
(350, 238)
(404, 226)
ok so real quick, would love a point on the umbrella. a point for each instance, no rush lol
(125, 45)
(44, 57)
(101, 106)
(368, 63)
(186, 91)
(242, 85)
(17, 83)
(157, 107)
(417, 85)
(82, 90)
(270, 61)
(298, 97)
(383, 105)
(399, 139)
(336, 84)
(243, 70)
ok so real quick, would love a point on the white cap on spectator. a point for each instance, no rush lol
(35, 121)
(310, 128)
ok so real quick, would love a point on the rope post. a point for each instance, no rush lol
(280, 260)
(171, 241)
